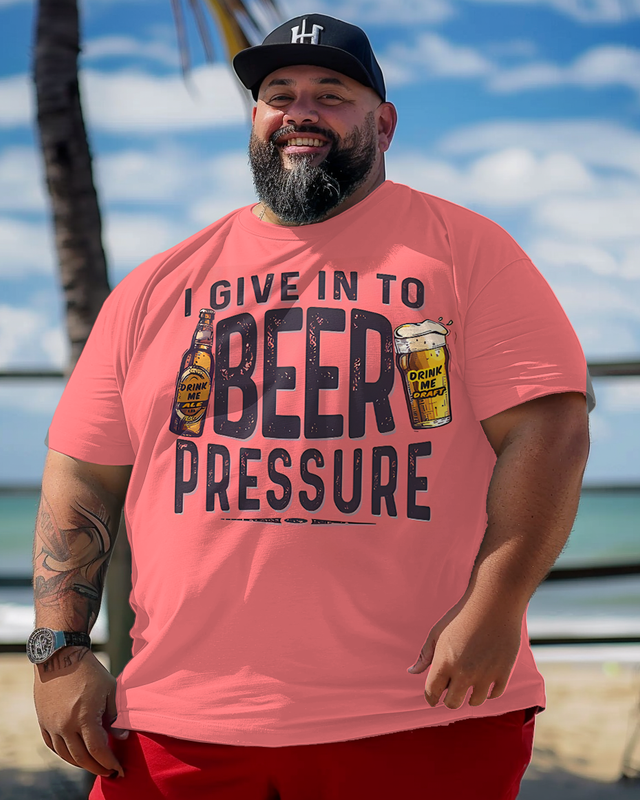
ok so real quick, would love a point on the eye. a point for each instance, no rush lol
(277, 98)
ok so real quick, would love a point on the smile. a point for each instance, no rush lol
(303, 144)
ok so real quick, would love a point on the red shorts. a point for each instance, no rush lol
(482, 758)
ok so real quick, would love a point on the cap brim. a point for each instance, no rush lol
(254, 64)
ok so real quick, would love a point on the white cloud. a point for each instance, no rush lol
(26, 248)
(377, 12)
(599, 299)
(562, 253)
(194, 191)
(513, 48)
(118, 46)
(131, 239)
(32, 396)
(20, 325)
(16, 101)
(630, 262)
(21, 180)
(133, 101)
(621, 395)
(596, 142)
(229, 186)
(604, 315)
(149, 176)
(508, 177)
(205, 188)
(592, 218)
(56, 346)
(574, 189)
(605, 65)
(586, 11)
(431, 55)
(214, 187)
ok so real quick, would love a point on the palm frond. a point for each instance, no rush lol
(240, 24)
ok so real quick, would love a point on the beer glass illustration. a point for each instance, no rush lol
(423, 358)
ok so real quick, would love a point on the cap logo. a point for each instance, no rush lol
(300, 38)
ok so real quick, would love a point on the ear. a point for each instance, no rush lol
(253, 114)
(387, 121)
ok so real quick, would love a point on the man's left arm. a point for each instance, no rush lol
(542, 447)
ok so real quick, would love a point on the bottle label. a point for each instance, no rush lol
(194, 387)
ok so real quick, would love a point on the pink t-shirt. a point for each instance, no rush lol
(309, 470)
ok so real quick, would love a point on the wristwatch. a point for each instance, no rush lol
(44, 642)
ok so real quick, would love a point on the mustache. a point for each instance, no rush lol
(301, 129)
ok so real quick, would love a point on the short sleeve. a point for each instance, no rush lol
(89, 422)
(519, 343)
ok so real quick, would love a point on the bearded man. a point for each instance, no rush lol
(367, 446)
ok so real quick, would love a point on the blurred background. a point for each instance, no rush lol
(526, 111)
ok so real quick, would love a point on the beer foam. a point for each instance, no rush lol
(424, 335)
(420, 329)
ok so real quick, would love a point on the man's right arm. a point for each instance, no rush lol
(75, 533)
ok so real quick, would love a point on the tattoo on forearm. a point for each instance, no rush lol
(71, 564)
(64, 659)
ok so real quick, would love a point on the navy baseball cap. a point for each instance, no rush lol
(314, 39)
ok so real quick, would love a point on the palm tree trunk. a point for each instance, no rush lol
(78, 237)
(67, 160)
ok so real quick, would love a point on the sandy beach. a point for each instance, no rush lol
(593, 708)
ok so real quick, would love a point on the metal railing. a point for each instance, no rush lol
(596, 369)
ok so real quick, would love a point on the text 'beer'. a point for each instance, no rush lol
(193, 386)
(423, 359)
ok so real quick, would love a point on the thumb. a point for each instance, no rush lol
(426, 656)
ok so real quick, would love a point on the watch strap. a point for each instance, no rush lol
(78, 639)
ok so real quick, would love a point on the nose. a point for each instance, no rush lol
(300, 112)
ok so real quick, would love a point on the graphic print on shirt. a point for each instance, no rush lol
(193, 384)
(423, 360)
(279, 411)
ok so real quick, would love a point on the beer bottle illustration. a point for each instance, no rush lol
(423, 358)
(193, 385)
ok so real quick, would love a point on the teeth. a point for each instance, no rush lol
(305, 141)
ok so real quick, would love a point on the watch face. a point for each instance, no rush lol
(40, 645)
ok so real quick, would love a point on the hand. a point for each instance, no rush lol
(75, 703)
(469, 646)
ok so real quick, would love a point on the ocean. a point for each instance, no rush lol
(606, 531)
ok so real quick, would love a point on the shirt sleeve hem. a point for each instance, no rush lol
(517, 397)
(114, 457)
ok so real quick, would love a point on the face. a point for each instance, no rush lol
(317, 140)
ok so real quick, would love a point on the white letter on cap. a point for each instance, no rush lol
(299, 38)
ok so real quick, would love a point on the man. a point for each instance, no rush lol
(366, 448)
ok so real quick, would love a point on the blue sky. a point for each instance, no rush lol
(527, 111)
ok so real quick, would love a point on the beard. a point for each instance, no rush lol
(303, 194)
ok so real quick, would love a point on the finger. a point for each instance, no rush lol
(437, 682)
(110, 716)
(456, 693)
(47, 739)
(61, 749)
(85, 758)
(425, 658)
(498, 689)
(479, 694)
(96, 741)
